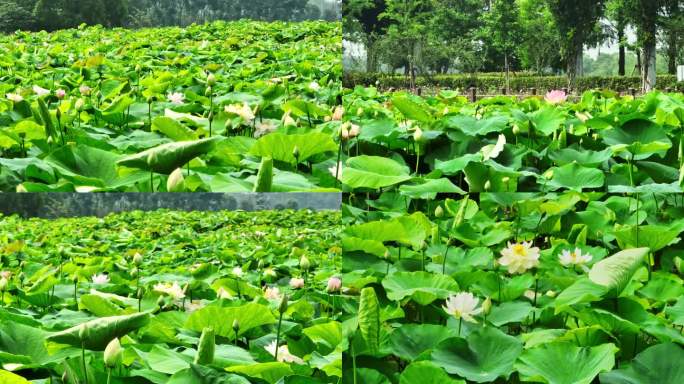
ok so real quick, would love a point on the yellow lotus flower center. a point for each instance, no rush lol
(519, 249)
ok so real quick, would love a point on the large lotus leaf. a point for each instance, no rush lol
(426, 372)
(581, 291)
(304, 108)
(486, 355)
(453, 166)
(96, 334)
(411, 340)
(547, 119)
(269, 372)
(422, 287)
(616, 271)
(676, 312)
(373, 172)
(173, 129)
(410, 230)
(639, 137)
(7, 377)
(369, 319)
(198, 374)
(661, 363)
(565, 363)
(84, 165)
(167, 157)
(576, 177)
(281, 147)
(474, 127)
(411, 109)
(583, 157)
(221, 319)
(430, 188)
(654, 237)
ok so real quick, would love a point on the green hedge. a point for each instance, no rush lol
(492, 83)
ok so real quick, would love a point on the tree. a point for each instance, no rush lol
(644, 15)
(538, 49)
(617, 13)
(362, 23)
(15, 16)
(502, 30)
(576, 20)
(673, 28)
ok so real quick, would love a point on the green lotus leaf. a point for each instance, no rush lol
(373, 172)
(167, 157)
(421, 287)
(281, 147)
(96, 334)
(660, 364)
(565, 363)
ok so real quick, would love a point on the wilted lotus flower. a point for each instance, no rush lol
(100, 279)
(176, 98)
(40, 91)
(272, 293)
(575, 257)
(555, 97)
(296, 282)
(334, 284)
(243, 111)
(237, 272)
(85, 90)
(463, 305)
(284, 355)
(14, 97)
(60, 93)
(519, 257)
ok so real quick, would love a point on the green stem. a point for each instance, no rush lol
(445, 257)
(280, 321)
(460, 322)
(85, 370)
(109, 375)
(351, 346)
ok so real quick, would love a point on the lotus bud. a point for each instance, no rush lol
(487, 305)
(150, 100)
(113, 353)
(487, 185)
(211, 80)
(21, 188)
(354, 131)
(387, 254)
(211, 116)
(137, 259)
(505, 179)
(516, 129)
(548, 174)
(304, 263)
(344, 131)
(334, 284)
(282, 308)
(295, 152)
(359, 111)
(679, 264)
(60, 93)
(3, 284)
(418, 135)
(79, 104)
(176, 181)
(134, 272)
(58, 112)
(439, 211)
(236, 325)
(338, 112)
(208, 92)
(138, 68)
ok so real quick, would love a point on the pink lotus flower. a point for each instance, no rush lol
(555, 97)
(296, 283)
(60, 93)
(334, 284)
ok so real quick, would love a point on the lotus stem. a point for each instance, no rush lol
(445, 257)
(280, 321)
(351, 346)
(85, 369)
(460, 322)
(109, 375)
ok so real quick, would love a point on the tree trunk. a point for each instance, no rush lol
(648, 69)
(575, 64)
(508, 89)
(621, 52)
(672, 54)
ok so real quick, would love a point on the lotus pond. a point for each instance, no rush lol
(92, 109)
(554, 287)
(172, 297)
(446, 144)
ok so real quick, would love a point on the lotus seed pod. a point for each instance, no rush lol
(211, 80)
(439, 211)
(304, 263)
(176, 181)
(113, 353)
(282, 308)
(206, 347)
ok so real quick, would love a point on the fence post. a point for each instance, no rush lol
(419, 91)
(668, 90)
(503, 90)
(565, 90)
(473, 94)
(632, 91)
(533, 91)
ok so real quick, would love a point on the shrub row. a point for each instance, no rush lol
(493, 83)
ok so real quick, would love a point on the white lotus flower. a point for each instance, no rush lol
(314, 86)
(243, 111)
(336, 170)
(40, 91)
(174, 290)
(237, 272)
(15, 97)
(288, 120)
(272, 293)
(572, 258)
(463, 305)
(519, 257)
(100, 279)
(176, 98)
(296, 282)
(284, 355)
